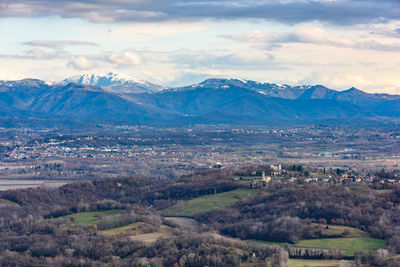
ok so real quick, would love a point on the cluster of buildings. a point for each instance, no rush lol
(277, 175)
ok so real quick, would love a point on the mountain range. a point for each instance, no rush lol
(115, 83)
(118, 99)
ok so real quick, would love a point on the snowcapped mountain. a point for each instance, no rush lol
(102, 80)
(267, 89)
(118, 83)
(119, 98)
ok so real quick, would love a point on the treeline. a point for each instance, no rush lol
(31, 234)
(131, 190)
(36, 204)
(92, 249)
(285, 213)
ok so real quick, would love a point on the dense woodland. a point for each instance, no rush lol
(286, 214)
(32, 232)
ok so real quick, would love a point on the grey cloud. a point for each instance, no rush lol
(398, 31)
(59, 44)
(270, 41)
(38, 54)
(374, 45)
(199, 59)
(336, 12)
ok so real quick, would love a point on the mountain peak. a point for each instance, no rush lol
(353, 89)
(212, 101)
(28, 82)
(102, 80)
(116, 82)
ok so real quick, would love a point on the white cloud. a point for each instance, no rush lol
(81, 63)
(37, 54)
(181, 52)
(344, 80)
(126, 58)
(317, 35)
(217, 59)
(150, 30)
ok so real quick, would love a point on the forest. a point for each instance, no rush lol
(103, 222)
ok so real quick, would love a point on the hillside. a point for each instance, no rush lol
(126, 222)
(222, 101)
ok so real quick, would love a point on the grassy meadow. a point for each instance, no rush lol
(207, 203)
(313, 263)
(91, 217)
(339, 230)
(351, 245)
(353, 240)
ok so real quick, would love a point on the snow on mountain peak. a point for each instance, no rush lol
(115, 82)
(103, 80)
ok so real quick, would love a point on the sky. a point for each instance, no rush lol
(336, 43)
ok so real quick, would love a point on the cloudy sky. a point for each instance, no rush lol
(338, 43)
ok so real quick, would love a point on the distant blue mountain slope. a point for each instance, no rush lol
(227, 101)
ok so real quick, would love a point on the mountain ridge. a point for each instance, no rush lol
(226, 101)
(118, 83)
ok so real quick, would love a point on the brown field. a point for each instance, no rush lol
(163, 232)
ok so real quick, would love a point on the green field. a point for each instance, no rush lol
(338, 230)
(91, 217)
(247, 178)
(207, 203)
(317, 175)
(313, 263)
(268, 242)
(351, 245)
(354, 240)
(384, 191)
